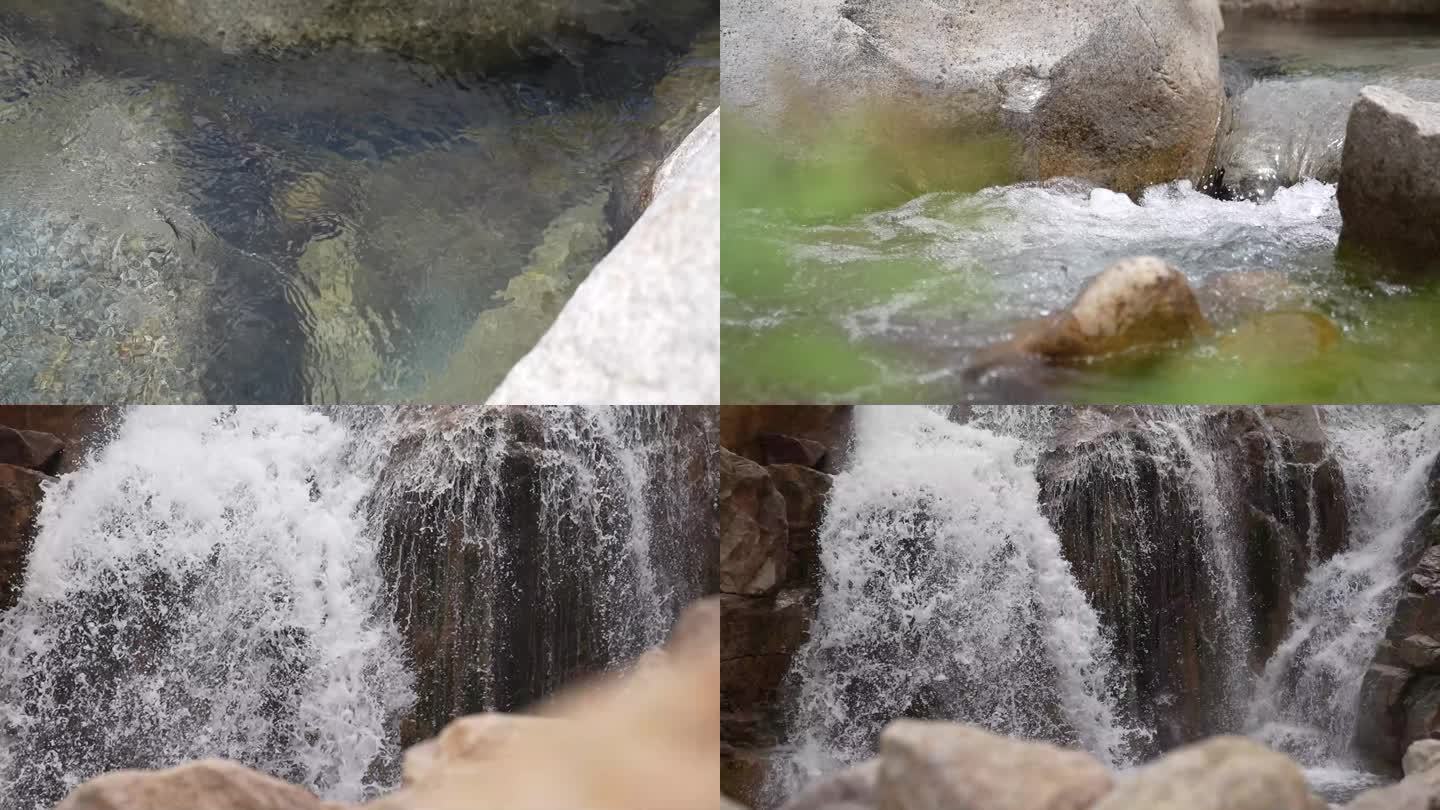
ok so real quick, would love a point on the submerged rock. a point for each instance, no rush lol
(1390, 180)
(104, 271)
(1126, 95)
(939, 766)
(1222, 773)
(642, 328)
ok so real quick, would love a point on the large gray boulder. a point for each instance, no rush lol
(490, 30)
(1123, 94)
(1389, 190)
(644, 326)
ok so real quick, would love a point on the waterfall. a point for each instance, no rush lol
(1307, 699)
(258, 583)
(944, 594)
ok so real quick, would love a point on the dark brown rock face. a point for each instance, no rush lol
(20, 497)
(763, 628)
(1121, 491)
(754, 552)
(519, 572)
(1400, 696)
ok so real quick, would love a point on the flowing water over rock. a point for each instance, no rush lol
(189, 225)
(263, 584)
(944, 594)
(1307, 699)
(1220, 570)
(909, 295)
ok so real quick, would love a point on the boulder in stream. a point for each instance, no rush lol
(1138, 304)
(1126, 95)
(1389, 190)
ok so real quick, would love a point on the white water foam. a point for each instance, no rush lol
(945, 594)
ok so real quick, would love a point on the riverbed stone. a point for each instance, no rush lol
(1221, 773)
(754, 552)
(210, 784)
(933, 765)
(1139, 304)
(1389, 189)
(1126, 95)
(642, 327)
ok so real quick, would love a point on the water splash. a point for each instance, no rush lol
(239, 582)
(203, 588)
(1307, 699)
(944, 594)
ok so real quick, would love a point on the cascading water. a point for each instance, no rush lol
(244, 583)
(1214, 570)
(944, 594)
(1307, 700)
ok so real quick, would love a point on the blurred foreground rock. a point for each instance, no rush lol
(647, 740)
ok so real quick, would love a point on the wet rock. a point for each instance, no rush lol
(761, 636)
(927, 765)
(1389, 189)
(20, 496)
(1124, 95)
(804, 490)
(1231, 298)
(642, 327)
(206, 785)
(1135, 305)
(1332, 8)
(764, 433)
(449, 30)
(76, 427)
(780, 449)
(754, 552)
(1286, 129)
(30, 449)
(1222, 773)
(854, 788)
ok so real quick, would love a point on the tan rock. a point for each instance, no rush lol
(928, 765)
(646, 741)
(1282, 337)
(210, 784)
(1222, 773)
(1421, 756)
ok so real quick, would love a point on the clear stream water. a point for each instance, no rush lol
(944, 592)
(180, 224)
(906, 295)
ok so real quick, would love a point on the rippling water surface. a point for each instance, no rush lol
(890, 305)
(181, 224)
